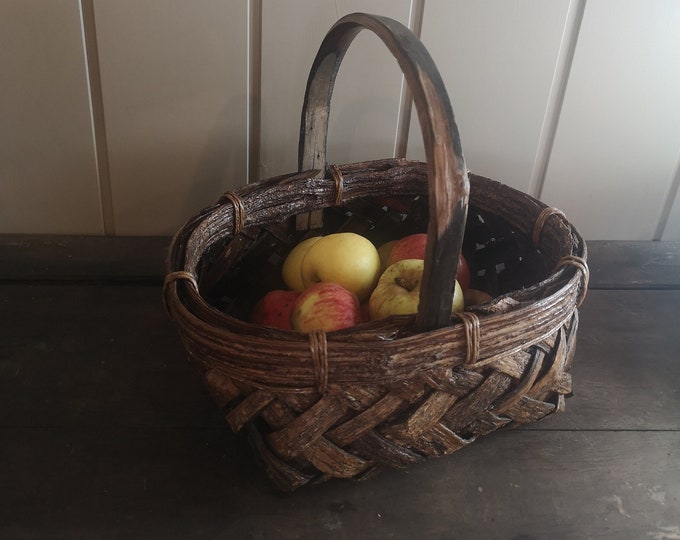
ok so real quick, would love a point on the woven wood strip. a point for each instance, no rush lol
(541, 221)
(464, 411)
(528, 410)
(307, 428)
(283, 475)
(487, 423)
(457, 381)
(248, 408)
(374, 447)
(547, 382)
(239, 211)
(317, 451)
(222, 389)
(359, 425)
(516, 394)
(426, 416)
(439, 441)
(334, 461)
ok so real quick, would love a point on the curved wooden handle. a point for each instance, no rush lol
(449, 186)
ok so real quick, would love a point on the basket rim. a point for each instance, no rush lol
(539, 309)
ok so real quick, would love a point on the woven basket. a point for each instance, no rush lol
(393, 392)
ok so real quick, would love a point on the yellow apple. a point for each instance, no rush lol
(347, 259)
(290, 271)
(398, 291)
(325, 306)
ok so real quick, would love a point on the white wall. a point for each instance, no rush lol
(126, 117)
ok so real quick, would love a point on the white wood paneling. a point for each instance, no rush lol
(365, 102)
(174, 94)
(497, 60)
(48, 168)
(670, 229)
(171, 112)
(619, 132)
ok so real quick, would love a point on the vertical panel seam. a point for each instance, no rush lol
(94, 84)
(254, 89)
(558, 89)
(669, 200)
(415, 24)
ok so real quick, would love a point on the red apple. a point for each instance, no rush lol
(408, 247)
(413, 247)
(325, 306)
(274, 309)
(463, 273)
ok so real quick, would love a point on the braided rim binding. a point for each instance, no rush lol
(472, 335)
(319, 349)
(339, 183)
(580, 264)
(541, 220)
(171, 278)
(239, 211)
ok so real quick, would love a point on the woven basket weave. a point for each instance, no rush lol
(393, 392)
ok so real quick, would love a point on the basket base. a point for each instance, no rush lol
(308, 439)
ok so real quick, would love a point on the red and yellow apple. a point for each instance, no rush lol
(325, 306)
(413, 247)
(290, 271)
(347, 259)
(384, 251)
(463, 273)
(408, 247)
(398, 291)
(274, 309)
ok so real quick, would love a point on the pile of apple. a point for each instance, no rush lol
(342, 279)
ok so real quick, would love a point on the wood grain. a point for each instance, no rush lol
(175, 107)
(595, 167)
(447, 174)
(48, 162)
(105, 432)
(113, 483)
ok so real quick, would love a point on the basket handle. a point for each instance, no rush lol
(447, 175)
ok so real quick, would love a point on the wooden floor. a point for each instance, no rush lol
(106, 433)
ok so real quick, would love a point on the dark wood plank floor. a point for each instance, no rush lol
(106, 433)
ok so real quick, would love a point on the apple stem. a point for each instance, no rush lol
(404, 283)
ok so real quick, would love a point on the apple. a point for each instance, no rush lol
(398, 291)
(347, 259)
(408, 247)
(475, 297)
(413, 247)
(274, 309)
(325, 306)
(463, 273)
(291, 266)
(384, 251)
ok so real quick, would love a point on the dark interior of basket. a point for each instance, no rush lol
(501, 259)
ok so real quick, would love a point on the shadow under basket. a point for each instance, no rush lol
(392, 392)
